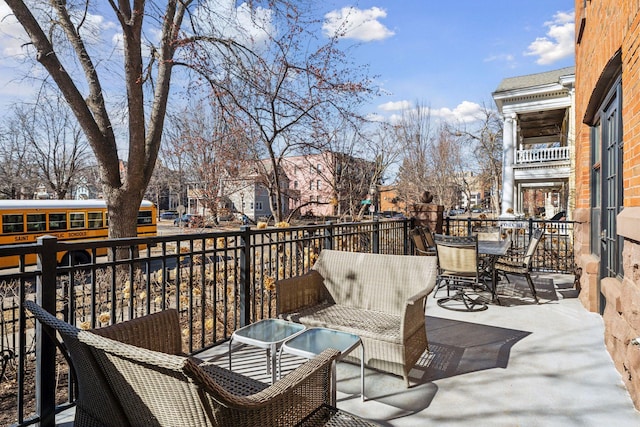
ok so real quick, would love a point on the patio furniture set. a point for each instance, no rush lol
(468, 264)
(134, 372)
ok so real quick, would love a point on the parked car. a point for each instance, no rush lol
(189, 220)
(169, 215)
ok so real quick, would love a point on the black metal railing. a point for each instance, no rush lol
(218, 281)
(555, 253)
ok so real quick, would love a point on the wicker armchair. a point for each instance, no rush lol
(122, 384)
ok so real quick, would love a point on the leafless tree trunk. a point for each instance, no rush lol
(446, 167)
(59, 37)
(281, 95)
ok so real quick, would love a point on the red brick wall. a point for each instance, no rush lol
(611, 25)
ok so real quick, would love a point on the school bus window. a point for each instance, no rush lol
(36, 222)
(58, 221)
(144, 217)
(76, 220)
(95, 220)
(12, 224)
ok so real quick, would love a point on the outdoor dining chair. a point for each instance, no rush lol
(421, 242)
(487, 233)
(459, 271)
(519, 263)
(152, 384)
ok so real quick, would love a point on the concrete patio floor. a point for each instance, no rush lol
(518, 364)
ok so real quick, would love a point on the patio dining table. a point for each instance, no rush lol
(492, 250)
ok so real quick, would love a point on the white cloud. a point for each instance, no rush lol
(12, 36)
(559, 42)
(245, 23)
(506, 57)
(465, 112)
(395, 106)
(358, 24)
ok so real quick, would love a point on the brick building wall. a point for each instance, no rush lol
(608, 45)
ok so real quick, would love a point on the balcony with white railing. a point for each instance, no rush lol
(540, 155)
(542, 164)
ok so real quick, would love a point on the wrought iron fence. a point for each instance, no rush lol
(555, 253)
(218, 281)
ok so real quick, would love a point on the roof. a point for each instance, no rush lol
(532, 80)
(59, 204)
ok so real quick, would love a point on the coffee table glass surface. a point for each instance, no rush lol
(314, 341)
(267, 331)
(268, 334)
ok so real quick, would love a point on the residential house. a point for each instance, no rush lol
(607, 211)
(538, 142)
(246, 195)
(328, 183)
(389, 199)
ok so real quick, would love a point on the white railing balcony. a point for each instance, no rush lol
(539, 155)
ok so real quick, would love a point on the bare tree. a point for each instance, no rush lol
(356, 156)
(209, 150)
(163, 181)
(59, 149)
(415, 135)
(18, 177)
(485, 139)
(282, 89)
(61, 38)
(446, 168)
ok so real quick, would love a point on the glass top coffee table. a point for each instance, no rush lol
(268, 334)
(314, 341)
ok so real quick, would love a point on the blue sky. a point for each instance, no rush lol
(447, 55)
(451, 55)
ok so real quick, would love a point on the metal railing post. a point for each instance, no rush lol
(530, 229)
(375, 245)
(328, 236)
(245, 276)
(405, 235)
(45, 346)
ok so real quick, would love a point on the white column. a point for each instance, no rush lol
(508, 150)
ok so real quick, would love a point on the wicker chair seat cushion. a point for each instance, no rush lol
(364, 323)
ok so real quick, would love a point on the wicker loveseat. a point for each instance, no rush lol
(381, 298)
(152, 384)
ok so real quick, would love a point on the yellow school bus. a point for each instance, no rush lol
(23, 221)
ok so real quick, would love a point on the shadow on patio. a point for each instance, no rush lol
(515, 364)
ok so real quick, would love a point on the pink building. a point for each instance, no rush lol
(328, 183)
